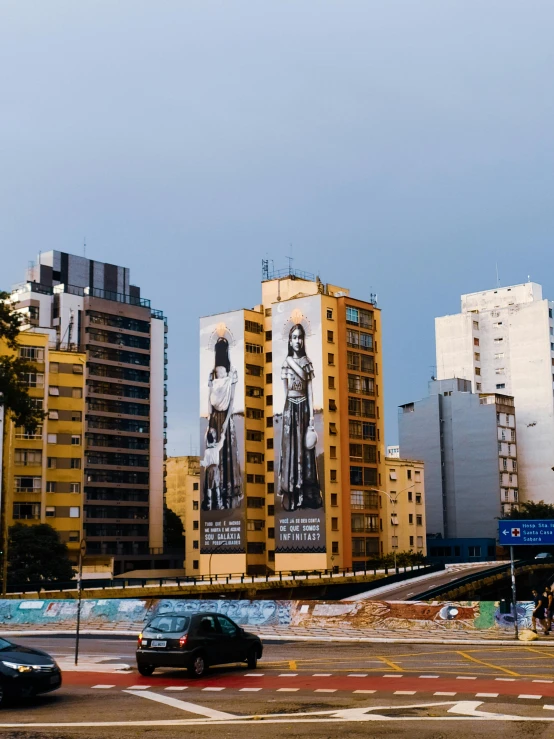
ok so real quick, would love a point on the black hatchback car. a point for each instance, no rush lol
(26, 672)
(195, 642)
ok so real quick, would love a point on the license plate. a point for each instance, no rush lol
(159, 643)
(54, 679)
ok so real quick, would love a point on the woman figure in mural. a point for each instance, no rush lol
(298, 482)
(222, 480)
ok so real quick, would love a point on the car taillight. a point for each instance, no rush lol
(183, 641)
(139, 643)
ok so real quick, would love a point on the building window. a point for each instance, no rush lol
(269, 466)
(74, 512)
(476, 325)
(53, 415)
(253, 348)
(28, 484)
(477, 370)
(334, 524)
(352, 315)
(253, 327)
(76, 439)
(420, 542)
(74, 487)
(254, 369)
(54, 367)
(34, 379)
(53, 390)
(331, 382)
(333, 474)
(418, 498)
(256, 413)
(26, 511)
(269, 422)
(501, 386)
(195, 525)
(330, 337)
(50, 511)
(194, 564)
(194, 505)
(77, 392)
(269, 378)
(333, 452)
(271, 533)
(411, 541)
(268, 335)
(269, 357)
(334, 499)
(475, 341)
(478, 385)
(329, 314)
(410, 518)
(477, 356)
(195, 545)
(76, 416)
(271, 488)
(52, 463)
(331, 359)
(254, 458)
(75, 463)
(254, 392)
(333, 429)
(27, 457)
(253, 502)
(332, 404)
(410, 496)
(269, 400)
(195, 486)
(32, 353)
(270, 510)
(334, 547)
(474, 551)
(51, 486)
(419, 520)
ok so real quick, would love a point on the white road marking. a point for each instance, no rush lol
(355, 674)
(486, 695)
(524, 695)
(177, 687)
(506, 679)
(288, 690)
(404, 692)
(441, 692)
(395, 675)
(325, 690)
(430, 677)
(103, 687)
(321, 674)
(254, 674)
(542, 681)
(465, 677)
(182, 705)
(288, 674)
(249, 690)
(364, 691)
(213, 689)
(140, 687)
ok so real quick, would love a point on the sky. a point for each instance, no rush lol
(393, 147)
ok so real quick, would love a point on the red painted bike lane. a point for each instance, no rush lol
(312, 683)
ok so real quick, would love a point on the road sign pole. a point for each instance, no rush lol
(514, 596)
(82, 550)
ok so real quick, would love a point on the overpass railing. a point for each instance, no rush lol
(124, 583)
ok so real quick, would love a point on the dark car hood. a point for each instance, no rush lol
(25, 655)
(249, 635)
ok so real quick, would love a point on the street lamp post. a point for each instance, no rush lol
(393, 501)
(82, 550)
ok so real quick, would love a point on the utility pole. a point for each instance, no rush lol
(82, 550)
(514, 595)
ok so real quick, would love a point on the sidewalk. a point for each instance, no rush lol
(297, 633)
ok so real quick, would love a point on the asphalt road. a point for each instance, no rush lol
(368, 690)
(409, 589)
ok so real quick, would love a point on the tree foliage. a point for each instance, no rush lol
(532, 510)
(14, 371)
(174, 537)
(37, 553)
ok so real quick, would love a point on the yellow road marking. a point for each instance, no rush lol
(488, 664)
(389, 663)
(292, 664)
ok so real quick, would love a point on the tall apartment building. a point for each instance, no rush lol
(92, 306)
(183, 497)
(291, 406)
(502, 341)
(468, 444)
(402, 507)
(42, 470)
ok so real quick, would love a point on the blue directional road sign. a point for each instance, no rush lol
(514, 533)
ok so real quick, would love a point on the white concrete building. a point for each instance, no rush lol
(502, 341)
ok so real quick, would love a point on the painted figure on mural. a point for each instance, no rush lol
(298, 481)
(222, 480)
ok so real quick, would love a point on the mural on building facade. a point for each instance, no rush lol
(298, 426)
(222, 433)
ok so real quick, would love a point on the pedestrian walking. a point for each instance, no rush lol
(541, 603)
(549, 607)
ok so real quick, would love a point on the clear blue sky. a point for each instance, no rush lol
(401, 147)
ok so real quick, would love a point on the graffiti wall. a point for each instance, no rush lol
(276, 615)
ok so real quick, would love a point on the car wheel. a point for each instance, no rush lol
(199, 666)
(146, 670)
(252, 659)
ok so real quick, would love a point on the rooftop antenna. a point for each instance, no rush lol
(291, 260)
(497, 277)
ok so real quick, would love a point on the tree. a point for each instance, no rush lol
(14, 371)
(37, 553)
(174, 537)
(532, 510)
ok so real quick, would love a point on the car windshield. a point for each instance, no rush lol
(4, 644)
(169, 624)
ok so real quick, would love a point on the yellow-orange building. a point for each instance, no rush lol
(277, 517)
(43, 469)
(402, 507)
(183, 497)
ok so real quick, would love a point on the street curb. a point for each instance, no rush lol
(292, 637)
